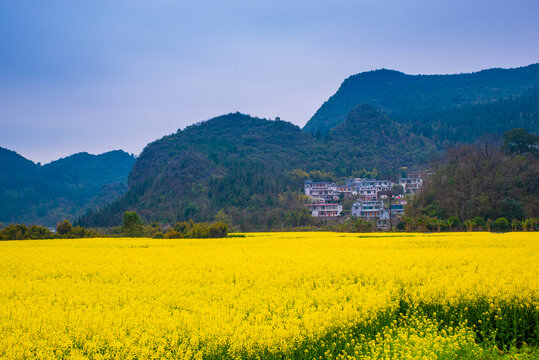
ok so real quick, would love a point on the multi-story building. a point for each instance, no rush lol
(368, 209)
(324, 210)
(375, 210)
(372, 210)
(378, 185)
(321, 190)
(411, 184)
(346, 190)
(397, 209)
(374, 183)
(367, 193)
(310, 185)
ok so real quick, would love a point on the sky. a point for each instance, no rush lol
(99, 75)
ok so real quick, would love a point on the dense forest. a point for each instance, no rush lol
(470, 123)
(63, 189)
(485, 181)
(407, 97)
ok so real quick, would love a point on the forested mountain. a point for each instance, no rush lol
(234, 162)
(252, 168)
(35, 194)
(410, 98)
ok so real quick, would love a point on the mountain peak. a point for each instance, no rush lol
(363, 110)
(405, 96)
(363, 119)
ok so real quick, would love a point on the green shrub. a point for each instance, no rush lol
(501, 224)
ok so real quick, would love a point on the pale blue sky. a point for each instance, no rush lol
(96, 75)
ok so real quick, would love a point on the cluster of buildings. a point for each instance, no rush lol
(373, 201)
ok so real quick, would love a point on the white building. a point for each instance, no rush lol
(411, 184)
(372, 210)
(360, 184)
(369, 209)
(321, 190)
(324, 210)
(368, 193)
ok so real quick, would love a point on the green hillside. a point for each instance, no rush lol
(406, 97)
(253, 169)
(373, 140)
(485, 181)
(65, 188)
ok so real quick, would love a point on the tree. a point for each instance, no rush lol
(421, 223)
(533, 221)
(14, 232)
(490, 225)
(39, 232)
(501, 223)
(218, 230)
(525, 224)
(222, 217)
(358, 224)
(469, 225)
(132, 224)
(511, 208)
(64, 228)
(435, 223)
(514, 224)
(173, 234)
(453, 220)
(519, 142)
(479, 222)
(409, 223)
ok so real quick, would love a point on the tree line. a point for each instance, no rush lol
(64, 230)
(132, 227)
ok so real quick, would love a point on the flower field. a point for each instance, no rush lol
(271, 295)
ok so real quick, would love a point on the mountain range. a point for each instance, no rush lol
(376, 123)
(63, 189)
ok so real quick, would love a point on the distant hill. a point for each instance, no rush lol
(233, 162)
(253, 168)
(412, 97)
(65, 188)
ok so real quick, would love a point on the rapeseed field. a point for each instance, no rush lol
(272, 296)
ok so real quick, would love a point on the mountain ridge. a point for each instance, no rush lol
(64, 188)
(399, 94)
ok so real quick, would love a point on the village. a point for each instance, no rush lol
(380, 201)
